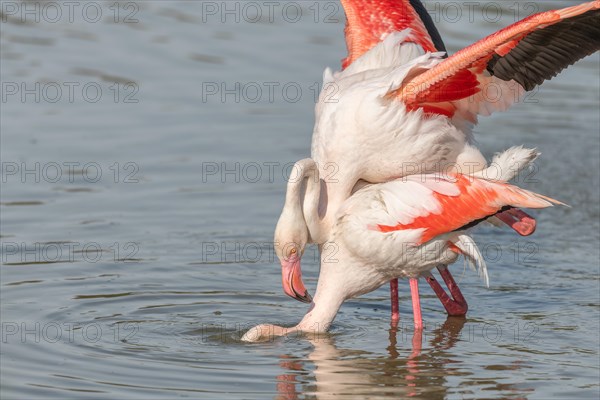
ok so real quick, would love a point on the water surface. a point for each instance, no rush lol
(138, 213)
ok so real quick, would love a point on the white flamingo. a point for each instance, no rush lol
(400, 229)
(399, 107)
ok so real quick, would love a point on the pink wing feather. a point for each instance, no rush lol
(368, 22)
(471, 199)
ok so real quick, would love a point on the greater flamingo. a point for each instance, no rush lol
(400, 229)
(400, 108)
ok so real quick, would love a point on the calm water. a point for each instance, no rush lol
(142, 178)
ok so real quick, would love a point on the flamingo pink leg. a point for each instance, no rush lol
(455, 306)
(416, 303)
(394, 298)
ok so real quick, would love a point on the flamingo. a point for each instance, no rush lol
(399, 229)
(401, 107)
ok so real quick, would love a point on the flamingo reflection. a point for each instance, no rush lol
(405, 371)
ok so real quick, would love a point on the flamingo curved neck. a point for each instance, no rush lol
(323, 310)
(305, 204)
(316, 203)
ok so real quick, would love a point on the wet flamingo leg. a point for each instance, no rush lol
(416, 303)
(394, 298)
(455, 306)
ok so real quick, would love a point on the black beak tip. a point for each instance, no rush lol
(306, 298)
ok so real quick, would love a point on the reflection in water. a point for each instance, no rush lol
(334, 372)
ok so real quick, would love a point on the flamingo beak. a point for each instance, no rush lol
(291, 278)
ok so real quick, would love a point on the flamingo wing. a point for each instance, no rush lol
(437, 204)
(369, 22)
(510, 61)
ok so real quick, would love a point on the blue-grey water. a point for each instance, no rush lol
(145, 147)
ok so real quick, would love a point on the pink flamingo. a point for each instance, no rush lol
(399, 229)
(400, 107)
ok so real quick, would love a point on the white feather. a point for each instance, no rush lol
(473, 256)
(395, 50)
(327, 77)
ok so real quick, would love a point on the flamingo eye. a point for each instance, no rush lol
(293, 251)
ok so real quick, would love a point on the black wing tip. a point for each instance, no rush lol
(436, 38)
(544, 53)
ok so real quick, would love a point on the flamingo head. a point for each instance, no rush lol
(290, 242)
(291, 277)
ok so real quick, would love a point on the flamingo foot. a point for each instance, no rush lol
(455, 306)
(394, 299)
(519, 220)
(416, 303)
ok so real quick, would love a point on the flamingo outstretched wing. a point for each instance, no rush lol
(369, 22)
(510, 61)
